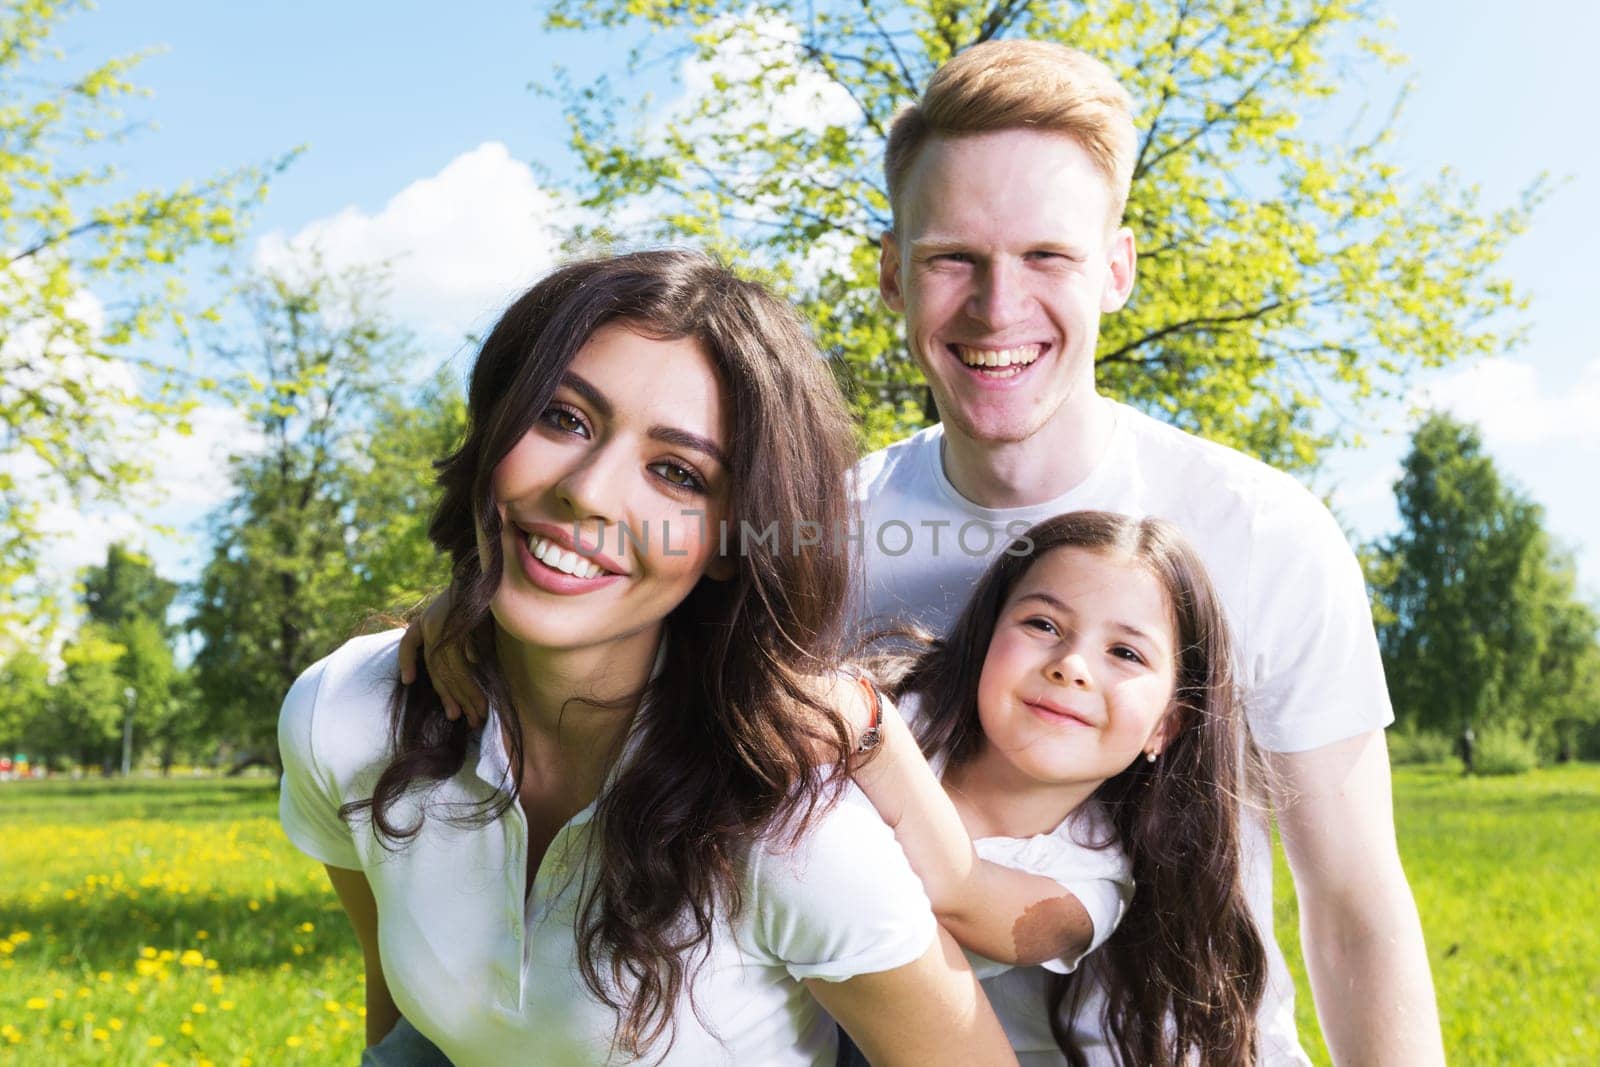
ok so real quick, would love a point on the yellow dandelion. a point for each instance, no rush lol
(191, 958)
(331, 1006)
(100, 1034)
(254, 905)
(104, 976)
(226, 1005)
(293, 1041)
(306, 928)
(200, 935)
(115, 1024)
(186, 1028)
(198, 1008)
(211, 965)
(147, 953)
(37, 1004)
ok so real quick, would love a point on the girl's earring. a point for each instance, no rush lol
(1150, 757)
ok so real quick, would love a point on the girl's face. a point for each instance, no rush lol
(610, 503)
(1080, 671)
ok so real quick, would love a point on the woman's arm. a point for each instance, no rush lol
(1007, 915)
(356, 896)
(928, 1012)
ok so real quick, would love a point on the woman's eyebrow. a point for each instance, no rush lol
(584, 388)
(672, 435)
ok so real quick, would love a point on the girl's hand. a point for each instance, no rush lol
(449, 666)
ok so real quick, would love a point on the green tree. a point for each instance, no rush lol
(1275, 269)
(81, 724)
(282, 588)
(24, 690)
(128, 602)
(126, 588)
(88, 268)
(1477, 615)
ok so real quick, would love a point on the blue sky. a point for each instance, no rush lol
(424, 143)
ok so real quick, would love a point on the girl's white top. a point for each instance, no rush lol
(489, 972)
(1081, 854)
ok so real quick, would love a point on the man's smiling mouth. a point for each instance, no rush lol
(998, 362)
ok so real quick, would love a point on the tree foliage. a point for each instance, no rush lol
(88, 268)
(327, 525)
(1277, 271)
(1478, 616)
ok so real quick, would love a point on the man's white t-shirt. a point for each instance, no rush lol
(490, 975)
(1290, 586)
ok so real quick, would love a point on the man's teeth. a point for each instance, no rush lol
(1005, 357)
(567, 562)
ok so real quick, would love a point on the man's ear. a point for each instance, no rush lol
(889, 272)
(1122, 260)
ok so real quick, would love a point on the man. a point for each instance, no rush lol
(1007, 184)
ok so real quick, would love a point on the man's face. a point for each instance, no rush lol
(1004, 260)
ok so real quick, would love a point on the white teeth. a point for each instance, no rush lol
(554, 556)
(1005, 357)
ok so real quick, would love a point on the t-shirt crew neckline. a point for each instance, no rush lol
(1088, 487)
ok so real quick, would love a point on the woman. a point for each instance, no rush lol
(640, 851)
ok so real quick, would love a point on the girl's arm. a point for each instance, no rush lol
(356, 896)
(929, 1012)
(1007, 915)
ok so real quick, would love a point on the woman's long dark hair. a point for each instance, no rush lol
(1187, 949)
(731, 732)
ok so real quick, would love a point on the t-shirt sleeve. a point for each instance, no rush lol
(1100, 877)
(309, 801)
(1313, 670)
(844, 901)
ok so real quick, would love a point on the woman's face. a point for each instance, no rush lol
(610, 504)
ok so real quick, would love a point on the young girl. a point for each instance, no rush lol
(639, 856)
(1081, 734)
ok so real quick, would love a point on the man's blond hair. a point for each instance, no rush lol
(1015, 85)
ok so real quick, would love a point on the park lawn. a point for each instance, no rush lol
(1506, 873)
(170, 922)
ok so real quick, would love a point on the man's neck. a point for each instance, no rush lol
(1017, 474)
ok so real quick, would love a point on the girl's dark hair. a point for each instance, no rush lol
(1187, 949)
(731, 754)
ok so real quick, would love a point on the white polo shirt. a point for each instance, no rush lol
(1293, 593)
(491, 978)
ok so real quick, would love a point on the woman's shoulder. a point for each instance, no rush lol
(337, 712)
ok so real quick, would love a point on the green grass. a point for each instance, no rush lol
(170, 922)
(1506, 872)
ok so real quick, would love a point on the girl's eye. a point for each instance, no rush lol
(679, 475)
(565, 419)
(1042, 624)
(1124, 652)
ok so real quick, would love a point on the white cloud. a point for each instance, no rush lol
(759, 44)
(1515, 406)
(459, 245)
